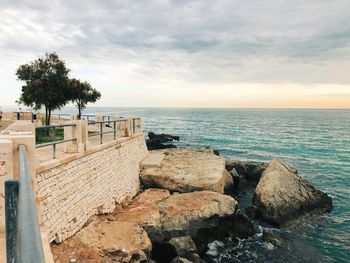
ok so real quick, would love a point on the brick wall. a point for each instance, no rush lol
(72, 192)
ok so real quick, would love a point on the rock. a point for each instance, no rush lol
(282, 197)
(181, 260)
(229, 166)
(273, 239)
(242, 226)
(187, 170)
(166, 217)
(73, 248)
(185, 247)
(250, 211)
(185, 214)
(229, 186)
(145, 212)
(250, 170)
(239, 181)
(154, 145)
(163, 137)
(156, 141)
(150, 196)
(119, 241)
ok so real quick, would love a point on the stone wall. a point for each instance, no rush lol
(71, 192)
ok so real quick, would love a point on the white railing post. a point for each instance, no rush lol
(75, 131)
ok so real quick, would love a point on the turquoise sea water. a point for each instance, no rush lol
(317, 142)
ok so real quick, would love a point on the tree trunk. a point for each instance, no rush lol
(49, 119)
(46, 115)
(79, 112)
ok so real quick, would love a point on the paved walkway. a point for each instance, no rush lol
(2, 248)
(5, 124)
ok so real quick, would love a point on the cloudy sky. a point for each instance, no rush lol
(177, 53)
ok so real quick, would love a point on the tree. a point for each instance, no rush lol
(83, 94)
(47, 84)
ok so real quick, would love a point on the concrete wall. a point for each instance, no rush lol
(73, 190)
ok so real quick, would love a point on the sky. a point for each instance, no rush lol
(177, 53)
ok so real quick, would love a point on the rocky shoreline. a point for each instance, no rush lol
(182, 209)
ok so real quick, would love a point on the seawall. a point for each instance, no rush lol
(73, 190)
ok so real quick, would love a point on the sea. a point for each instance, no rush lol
(317, 142)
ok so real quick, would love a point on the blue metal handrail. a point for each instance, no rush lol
(101, 132)
(23, 239)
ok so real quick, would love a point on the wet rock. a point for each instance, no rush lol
(272, 239)
(181, 260)
(242, 227)
(163, 252)
(185, 247)
(163, 137)
(154, 145)
(229, 186)
(239, 181)
(282, 197)
(160, 141)
(250, 170)
(187, 170)
(250, 211)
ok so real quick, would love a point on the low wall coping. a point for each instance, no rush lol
(48, 165)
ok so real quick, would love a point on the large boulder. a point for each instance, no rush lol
(144, 211)
(178, 214)
(184, 214)
(119, 241)
(172, 220)
(187, 170)
(105, 242)
(281, 196)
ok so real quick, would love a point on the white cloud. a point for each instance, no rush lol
(140, 45)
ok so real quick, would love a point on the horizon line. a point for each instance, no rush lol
(214, 108)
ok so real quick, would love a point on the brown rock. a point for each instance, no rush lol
(144, 209)
(229, 184)
(74, 249)
(281, 196)
(119, 241)
(145, 212)
(187, 170)
(150, 196)
(185, 214)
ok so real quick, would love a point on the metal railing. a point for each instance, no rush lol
(134, 125)
(23, 239)
(107, 124)
(54, 143)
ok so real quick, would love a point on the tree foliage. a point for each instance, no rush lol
(83, 94)
(46, 84)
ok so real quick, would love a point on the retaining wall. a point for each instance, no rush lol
(73, 190)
